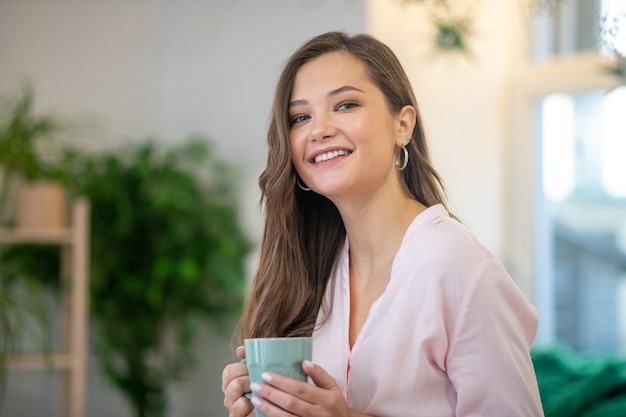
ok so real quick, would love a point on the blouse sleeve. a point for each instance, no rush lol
(488, 359)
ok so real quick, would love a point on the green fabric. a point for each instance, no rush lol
(572, 385)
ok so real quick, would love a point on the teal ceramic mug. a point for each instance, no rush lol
(282, 355)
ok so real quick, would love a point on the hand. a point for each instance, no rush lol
(283, 396)
(236, 382)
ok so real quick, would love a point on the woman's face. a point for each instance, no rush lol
(343, 136)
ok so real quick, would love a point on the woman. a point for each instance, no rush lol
(410, 315)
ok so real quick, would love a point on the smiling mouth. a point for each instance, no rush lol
(330, 155)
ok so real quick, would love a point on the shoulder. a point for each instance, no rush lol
(442, 244)
(441, 256)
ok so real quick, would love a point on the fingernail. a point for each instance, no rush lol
(309, 364)
(239, 349)
(266, 376)
(255, 387)
(256, 401)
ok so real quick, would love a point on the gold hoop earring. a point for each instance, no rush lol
(302, 187)
(401, 163)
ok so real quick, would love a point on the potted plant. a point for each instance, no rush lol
(167, 257)
(27, 145)
(25, 140)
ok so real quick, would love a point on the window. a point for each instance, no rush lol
(568, 169)
(583, 176)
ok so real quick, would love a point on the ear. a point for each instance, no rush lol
(405, 124)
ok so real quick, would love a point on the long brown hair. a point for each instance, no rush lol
(303, 229)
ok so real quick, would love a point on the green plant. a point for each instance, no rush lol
(452, 34)
(453, 22)
(23, 313)
(26, 141)
(167, 254)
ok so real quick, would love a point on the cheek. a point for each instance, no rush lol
(297, 149)
(296, 159)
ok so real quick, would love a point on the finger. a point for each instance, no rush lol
(273, 402)
(287, 385)
(241, 408)
(235, 382)
(280, 393)
(232, 372)
(300, 398)
(241, 352)
(269, 409)
(319, 376)
(236, 389)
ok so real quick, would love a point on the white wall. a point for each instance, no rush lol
(162, 68)
(464, 101)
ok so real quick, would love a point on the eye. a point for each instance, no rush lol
(346, 105)
(298, 119)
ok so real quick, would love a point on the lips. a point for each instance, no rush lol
(326, 156)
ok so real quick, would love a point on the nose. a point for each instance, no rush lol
(323, 127)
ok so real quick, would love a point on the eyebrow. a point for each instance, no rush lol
(334, 92)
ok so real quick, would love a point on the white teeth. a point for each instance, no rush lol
(330, 155)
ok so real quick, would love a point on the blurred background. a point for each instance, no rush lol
(523, 103)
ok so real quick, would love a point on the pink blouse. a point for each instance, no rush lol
(450, 336)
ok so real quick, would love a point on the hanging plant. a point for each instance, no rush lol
(452, 34)
(613, 28)
(453, 22)
(613, 37)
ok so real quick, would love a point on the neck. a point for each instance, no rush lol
(376, 228)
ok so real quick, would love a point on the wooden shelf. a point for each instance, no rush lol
(43, 236)
(74, 242)
(37, 361)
